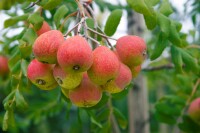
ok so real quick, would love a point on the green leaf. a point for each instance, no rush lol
(15, 80)
(51, 4)
(24, 66)
(29, 36)
(174, 36)
(94, 120)
(168, 119)
(60, 13)
(152, 2)
(90, 23)
(8, 120)
(188, 125)
(123, 93)
(6, 4)
(20, 102)
(14, 20)
(168, 109)
(159, 47)
(190, 62)
(120, 118)
(164, 23)
(16, 68)
(14, 59)
(106, 128)
(36, 20)
(177, 59)
(178, 25)
(166, 8)
(25, 50)
(151, 20)
(113, 22)
(174, 99)
(7, 99)
(139, 6)
(101, 103)
(103, 115)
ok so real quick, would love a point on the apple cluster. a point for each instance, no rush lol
(81, 72)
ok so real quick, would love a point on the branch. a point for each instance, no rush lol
(102, 35)
(93, 17)
(170, 66)
(193, 46)
(92, 39)
(32, 4)
(73, 28)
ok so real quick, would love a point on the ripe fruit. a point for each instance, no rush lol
(123, 79)
(66, 80)
(41, 75)
(135, 70)
(46, 46)
(75, 55)
(87, 94)
(105, 66)
(131, 50)
(194, 110)
(3, 65)
(44, 28)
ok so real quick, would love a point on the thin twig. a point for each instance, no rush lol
(107, 39)
(66, 18)
(32, 4)
(80, 8)
(77, 21)
(102, 35)
(193, 46)
(72, 29)
(85, 29)
(93, 17)
(169, 66)
(92, 39)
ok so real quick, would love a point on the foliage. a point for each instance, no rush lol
(25, 108)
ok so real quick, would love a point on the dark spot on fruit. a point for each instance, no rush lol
(45, 62)
(76, 67)
(59, 81)
(110, 80)
(86, 104)
(40, 82)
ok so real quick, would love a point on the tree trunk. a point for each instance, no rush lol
(138, 95)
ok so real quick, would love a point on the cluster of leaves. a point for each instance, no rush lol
(21, 98)
(171, 108)
(42, 106)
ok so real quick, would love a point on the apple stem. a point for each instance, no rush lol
(76, 31)
(77, 25)
(83, 11)
(102, 35)
(94, 40)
